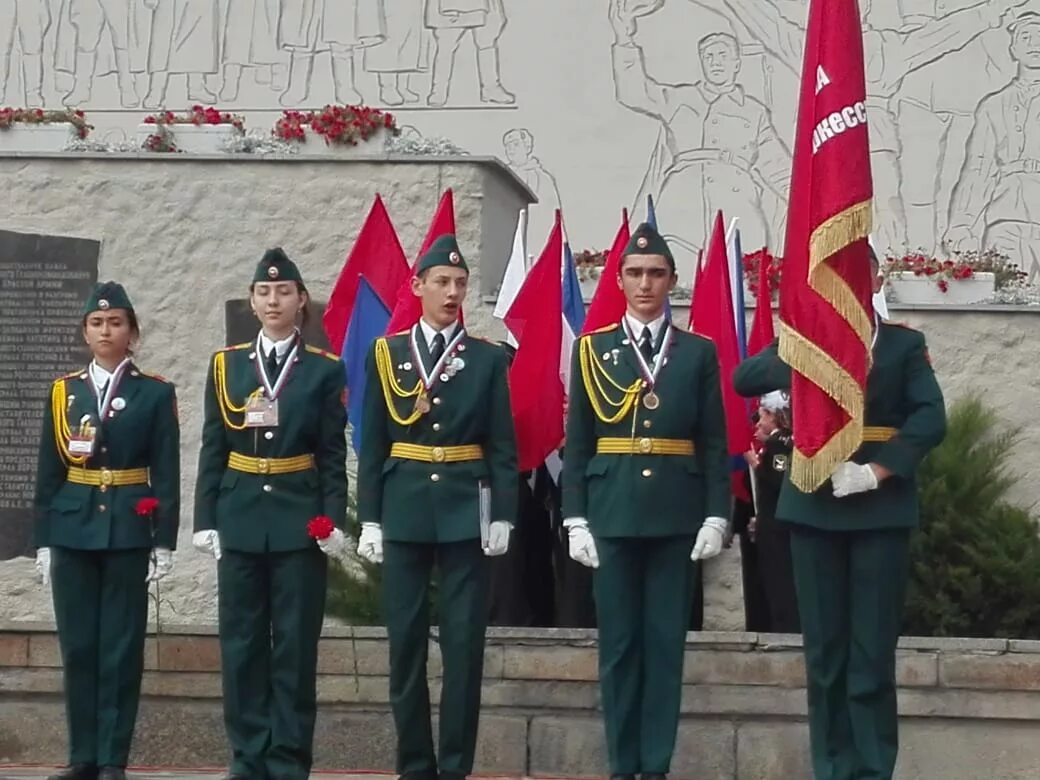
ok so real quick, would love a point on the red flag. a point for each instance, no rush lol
(711, 316)
(608, 305)
(408, 308)
(825, 330)
(762, 334)
(536, 389)
(377, 254)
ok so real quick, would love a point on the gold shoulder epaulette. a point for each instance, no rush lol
(604, 329)
(904, 325)
(157, 377)
(233, 347)
(72, 375)
(404, 332)
(322, 352)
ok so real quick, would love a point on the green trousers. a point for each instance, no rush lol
(851, 587)
(271, 607)
(101, 609)
(463, 584)
(642, 589)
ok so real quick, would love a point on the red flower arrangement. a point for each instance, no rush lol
(336, 124)
(320, 527)
(38, 116)
(162, 141)
(146, 506)
(942, 271)
(752, 267)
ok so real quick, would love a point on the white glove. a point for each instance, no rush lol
(207, 542)
(849, 478)
(43, 566)
(498, 538)
(160, 565)
(335, 546)
(709, 539)
(582, 546)
(370, 544)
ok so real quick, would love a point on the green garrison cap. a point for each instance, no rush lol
(107, 295)
(647, 241)
(275, 266)
(444, 251)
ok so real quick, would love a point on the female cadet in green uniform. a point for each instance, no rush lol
(273, 459)
(850, 547)
(107, 504)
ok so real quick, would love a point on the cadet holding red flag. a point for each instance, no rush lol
(866, 410)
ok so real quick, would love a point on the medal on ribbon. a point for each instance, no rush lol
(447, 365)
(261, 409)
(650, 373)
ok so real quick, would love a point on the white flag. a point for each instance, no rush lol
(516, 271)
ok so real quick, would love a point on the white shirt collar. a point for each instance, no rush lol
(101, 376)
(281, 348)
(429, 332)
(637, 327)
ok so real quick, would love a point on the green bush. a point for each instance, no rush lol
(975, 563)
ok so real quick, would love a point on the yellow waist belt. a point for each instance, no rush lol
(878, 433)
(643, 446)
(457, 454)
(107, 477)
(250, 465)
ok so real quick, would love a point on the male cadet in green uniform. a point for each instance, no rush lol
(437, 485)
(645, 473)
(273, 458)
(850, 544)
(110, 440)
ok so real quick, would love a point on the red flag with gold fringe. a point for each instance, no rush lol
(825, 308)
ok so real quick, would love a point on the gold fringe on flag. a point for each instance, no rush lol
(809, 472)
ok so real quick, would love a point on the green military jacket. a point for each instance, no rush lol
(416, 501)
(647, 495)
(140, 431)
(270, 512)
(902, 393)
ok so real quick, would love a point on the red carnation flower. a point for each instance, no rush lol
(321, 527)
(146, 506)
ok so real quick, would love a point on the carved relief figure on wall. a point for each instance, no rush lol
(24, 22)
(251, 41)
(185, 41)
(935, 107)
(450, 21)
(309, 27)
(405, 52)
(717, 147)
(99, 37)
(891, 55)
(996, 203)
(518, 145)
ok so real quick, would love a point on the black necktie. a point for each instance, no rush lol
(646, 345)
(437, 349)
(272, 364)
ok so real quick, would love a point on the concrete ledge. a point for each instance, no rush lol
(968, 706)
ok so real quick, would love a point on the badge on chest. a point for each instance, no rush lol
(82, 440)
(261, 412)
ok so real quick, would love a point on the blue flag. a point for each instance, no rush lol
(573, 306)
(736, 259)
(368, 321)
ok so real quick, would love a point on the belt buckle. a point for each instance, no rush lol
(438, 454)
(106, 477)
(646, 446)
(263, 466)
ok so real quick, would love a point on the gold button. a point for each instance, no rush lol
(646, 446)
(647, 423)
(268, 488)
(647, 472)
(438, 455)
(103, 488)
(106, 477)
(436, 426)
(435, 477)
(263, 466)
(436, 401)
(102, 507)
